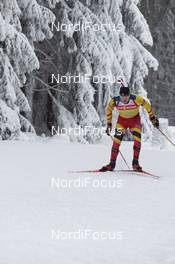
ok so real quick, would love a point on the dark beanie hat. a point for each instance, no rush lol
(124, 91)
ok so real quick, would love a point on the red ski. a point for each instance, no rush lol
(141, 173)
(85, 171)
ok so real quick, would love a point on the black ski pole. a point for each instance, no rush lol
(166, 136)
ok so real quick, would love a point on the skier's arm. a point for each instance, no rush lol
(141, 101)
(109, 110)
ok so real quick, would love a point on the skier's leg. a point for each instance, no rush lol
(119, 131)
(136, 132)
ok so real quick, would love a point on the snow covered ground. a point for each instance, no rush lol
(134, 215)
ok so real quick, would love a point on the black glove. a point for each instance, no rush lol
(108, 129)
(155, 121)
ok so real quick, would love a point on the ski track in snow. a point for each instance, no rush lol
(143, 209)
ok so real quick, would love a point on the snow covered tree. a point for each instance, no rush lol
(21, 23)
(111, 45)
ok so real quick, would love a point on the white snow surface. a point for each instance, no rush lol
(142, 209)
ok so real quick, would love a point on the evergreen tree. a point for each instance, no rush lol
(21, 23)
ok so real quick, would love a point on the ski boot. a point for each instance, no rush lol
(108, 167)
(136, 166)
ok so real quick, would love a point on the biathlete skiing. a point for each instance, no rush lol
(127, 105)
